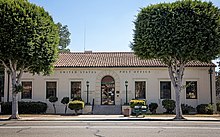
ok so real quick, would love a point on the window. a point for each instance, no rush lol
(51, 89)
(27, 90)
(75, 89)
(191, 90)
(165, 90)
(107, 90)
(140, 88)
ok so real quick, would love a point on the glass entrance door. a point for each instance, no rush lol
(107, 91)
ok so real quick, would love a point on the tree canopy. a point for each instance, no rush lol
(28, 36)
(64, 35)
(28, 42)
(183, 30)
(177, 33)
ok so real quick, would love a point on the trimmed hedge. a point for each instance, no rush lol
(136, 102)
(186, 109)
(218, 106)
(25, 107)
(205, 109)
(76, 105)
(153, 107)
(169, 105)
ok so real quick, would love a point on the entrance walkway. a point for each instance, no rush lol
(107, 110)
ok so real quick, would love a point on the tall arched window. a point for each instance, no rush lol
(108, 90)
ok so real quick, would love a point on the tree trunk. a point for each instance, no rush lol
(65, 108)
(154, 111)
(54, 107)
(16, 80)
(14, 114)
(178, 104)
(176, 72)
(76, 111)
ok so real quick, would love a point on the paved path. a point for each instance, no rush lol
(28, 117)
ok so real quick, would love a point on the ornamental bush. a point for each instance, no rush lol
(169, 105)
(153, 107)
(25, 107)
(76, 105)
(186, 108)
(218, 106)
(65, 101)
(205, 109)
(136, 102)
(53, 100)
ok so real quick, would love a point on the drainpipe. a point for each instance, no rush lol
(210, 73)
(8, 86)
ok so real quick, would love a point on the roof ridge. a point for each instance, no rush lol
(114, 59)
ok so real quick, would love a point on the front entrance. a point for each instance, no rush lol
(108, 91)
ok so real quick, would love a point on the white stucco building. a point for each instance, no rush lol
(106, 77)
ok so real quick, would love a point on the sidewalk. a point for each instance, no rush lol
(42, 117)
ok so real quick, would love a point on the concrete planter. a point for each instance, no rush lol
(126, 110)
(87, 109)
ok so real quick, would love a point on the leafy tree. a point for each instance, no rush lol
(176, 34)
(65, 101)
(28, 42)
(64, 37)
(53, 100)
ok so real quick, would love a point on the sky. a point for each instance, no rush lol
(98, 25)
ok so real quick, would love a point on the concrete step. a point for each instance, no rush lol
(107, 110)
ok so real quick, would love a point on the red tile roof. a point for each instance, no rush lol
(112, 59)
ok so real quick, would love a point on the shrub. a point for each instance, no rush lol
(136, 102)
(25, 107)
(169, 105)
(32, 107)
(218, 106)
(77, 98)
(53, 99)
(65, 101)
(7, 107)
(209, 109)
(186, 108)
(153, 107)
(205, 109)
(76, 105)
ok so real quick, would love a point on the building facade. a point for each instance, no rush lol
(112, 79)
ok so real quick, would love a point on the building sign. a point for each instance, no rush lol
(71, 72)
(135, 71)
(93, 72)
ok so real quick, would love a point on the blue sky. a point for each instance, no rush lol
(99, 25)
